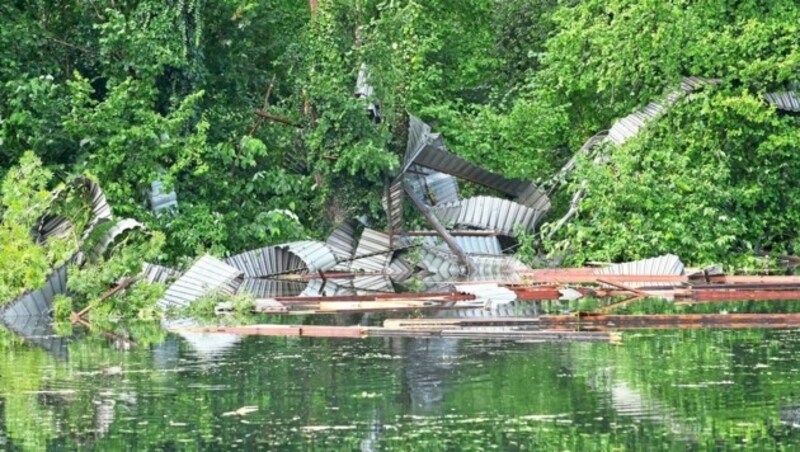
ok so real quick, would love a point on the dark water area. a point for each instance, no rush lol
(679, 390)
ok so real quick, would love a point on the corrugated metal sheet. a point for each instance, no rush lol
(295, 257)
(207, 275)
(629, 126)
(342, 243)
(376, 248)
(159, 199)
(123, 226)
(267, 261)
(494, 214)
(668, 264)
(392, 201)
(154, 273)
(342, 240)
(425, 148)
(365, 285)
(270, 288)
(441, 188)
(57, 226)
(38, 302)
(101, 210)
(329, 288)
(399, 269)
(445, 265)
(469, 244)
(316, 255)
(449, 163)
(787, 100)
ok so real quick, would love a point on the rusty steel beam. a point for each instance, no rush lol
(674, 321)
(706, 295)
(432, 296)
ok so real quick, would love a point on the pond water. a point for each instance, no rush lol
(656, 390)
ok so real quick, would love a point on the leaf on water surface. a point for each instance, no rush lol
(243, 411)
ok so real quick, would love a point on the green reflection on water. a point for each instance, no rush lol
(658, 390)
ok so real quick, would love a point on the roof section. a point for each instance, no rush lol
(207, 275)
(494, 214)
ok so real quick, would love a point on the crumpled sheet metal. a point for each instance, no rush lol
(122, 226)
(392, 201)
(267, 261)
(37, 303)
(154, 273)
(668, 264)
(490, 213)
(629, 126)
(469, 244)
(316, 255)
(444, 265)
(342, 243)
(271, 288)
(376, 247)
(786, 101)
(441, 188)
(159, 199)
(58, 226)
(399, 269)
(425, 148)
(207, 275)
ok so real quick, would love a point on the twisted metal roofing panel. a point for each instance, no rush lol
(441, 188)
(469, 244)
(207, 275)
(267, 261)
(316, 255)
(668, 264)
(58, 226)
(376, 248)
(427, 149)
(629, 126)
(486, 212)
(37, 303)
(787, 100)
(122, 226)
(392, 201)
(154, 273)
(270, 288)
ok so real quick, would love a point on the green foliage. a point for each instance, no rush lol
(241, 307)
(24, 200)
(138, 91)
(88, 284)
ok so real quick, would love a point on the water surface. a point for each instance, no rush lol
(657, 390)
